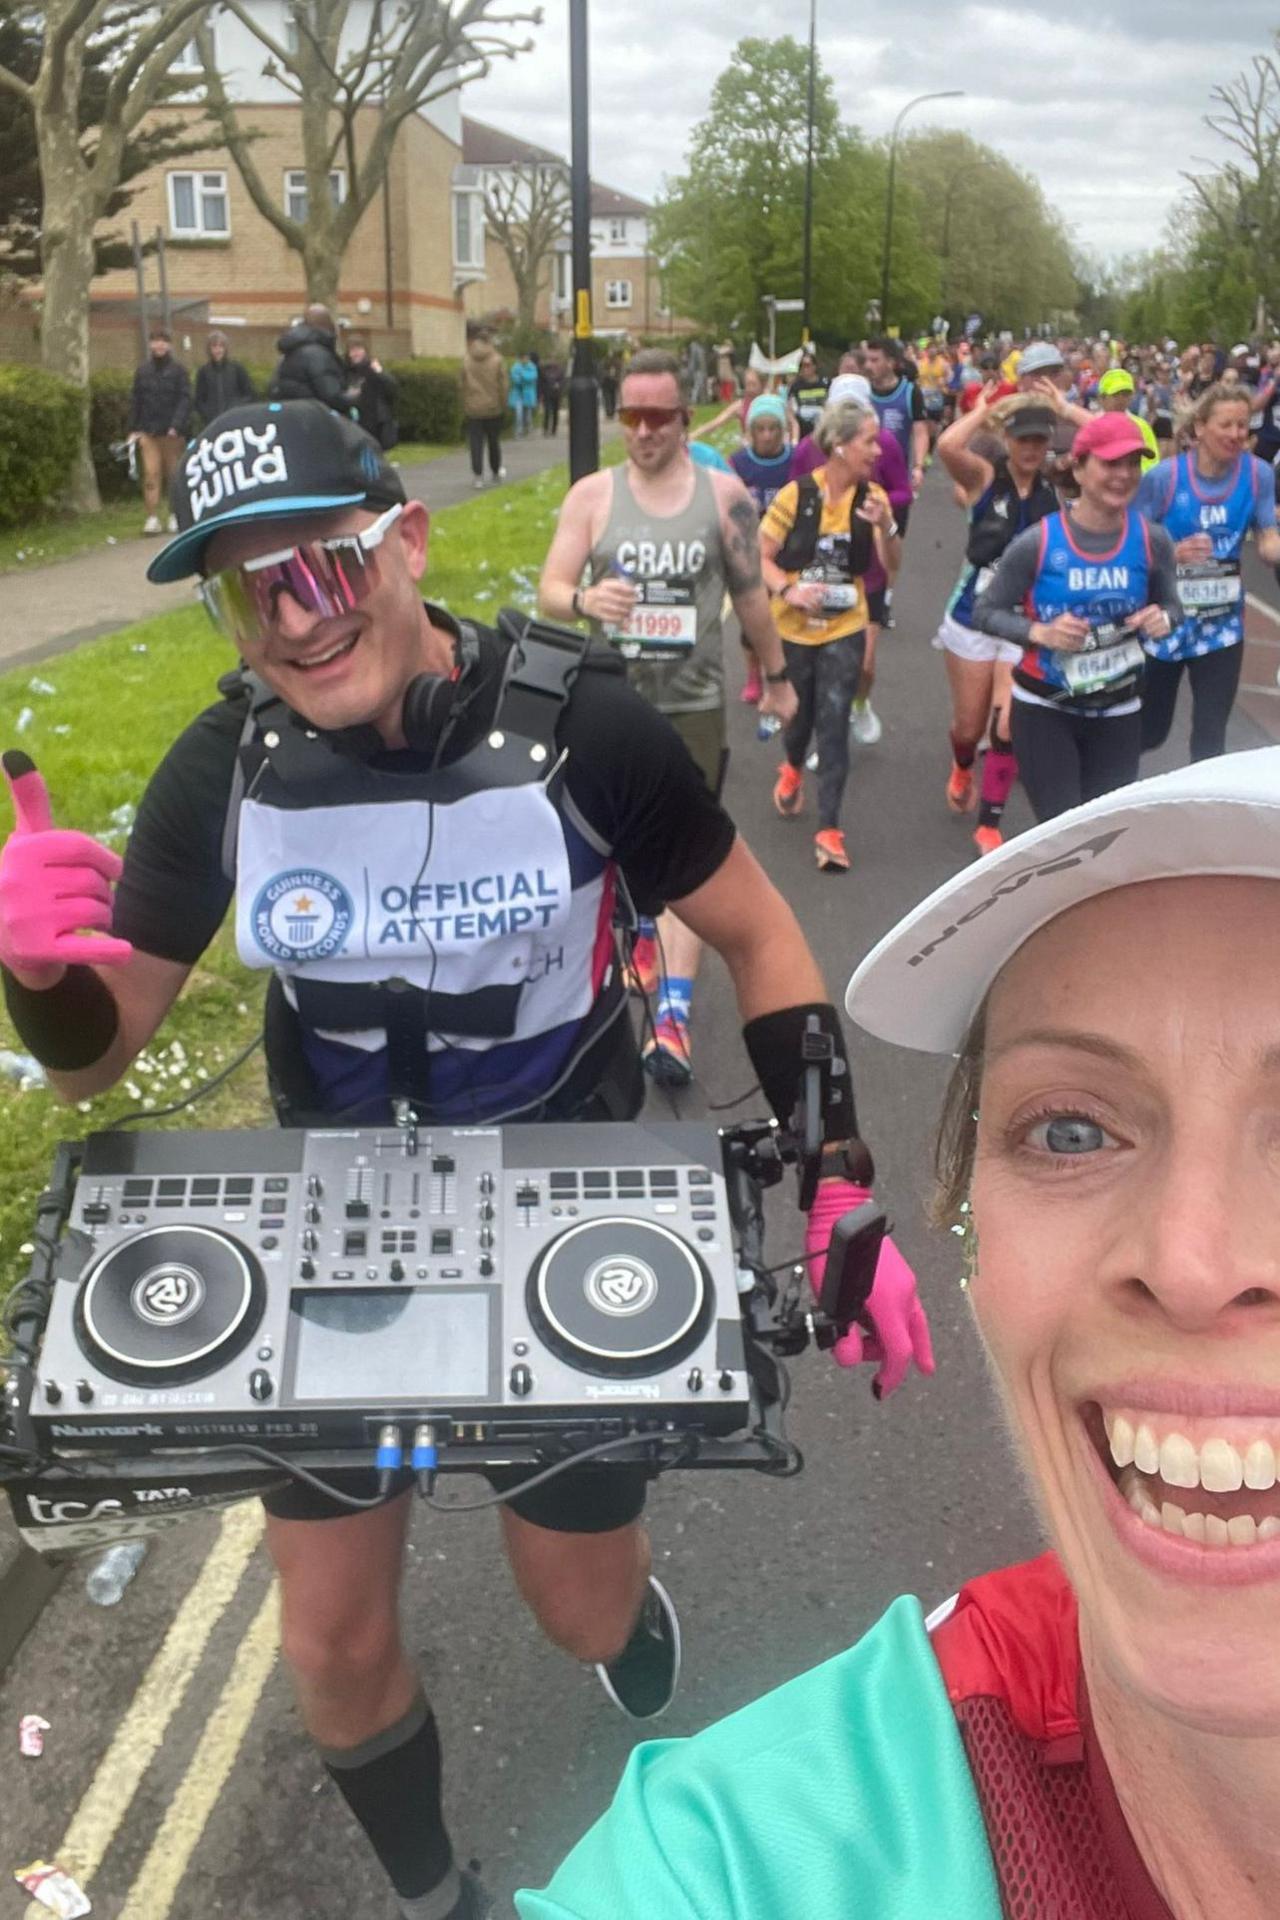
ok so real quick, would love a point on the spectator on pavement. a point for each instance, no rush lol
(522, 392)
(551, 382)
(375, 393)
(309, 367)
(484, 398)
(221, 382)
(159, 419)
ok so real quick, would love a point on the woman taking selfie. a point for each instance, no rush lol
(1094, 1735)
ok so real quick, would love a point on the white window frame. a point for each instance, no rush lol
(617, 293)
(201, 179)
(187, 58)
(289, 35)
(295, 189)
(476, 232)
(563, 283)
(617, 230)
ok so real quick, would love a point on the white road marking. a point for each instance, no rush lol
(1260, 606)
(155, 1887)
(138, 1738)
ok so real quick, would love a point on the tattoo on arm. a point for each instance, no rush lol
(741, 541)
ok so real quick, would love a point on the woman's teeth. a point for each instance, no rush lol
(1207, 1529)
(1152, 1463)
(1216, 1465)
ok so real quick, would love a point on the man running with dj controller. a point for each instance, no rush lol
(366, 775)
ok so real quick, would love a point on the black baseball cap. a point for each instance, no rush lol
(267, 461)
(1030, 423)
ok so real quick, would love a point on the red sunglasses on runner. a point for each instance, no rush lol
(655, 418)
(325, 577)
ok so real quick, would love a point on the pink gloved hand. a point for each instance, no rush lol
(900, 1331)
(53, 884)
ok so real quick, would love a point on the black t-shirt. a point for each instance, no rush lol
(627, 771)
(808, 397)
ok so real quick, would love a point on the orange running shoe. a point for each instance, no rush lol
(643, 973)
(829, 850)
(987, 839)
(788, 791)
(666, 1054)
(962, 791)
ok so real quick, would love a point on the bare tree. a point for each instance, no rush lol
(526, 206)
(1242, 199)
(80, 175)
(413, 52)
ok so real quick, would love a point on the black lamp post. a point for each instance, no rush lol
(807, 280)
(951, 93)
(584, 412)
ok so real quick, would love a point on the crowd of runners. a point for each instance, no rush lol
(1104, 494)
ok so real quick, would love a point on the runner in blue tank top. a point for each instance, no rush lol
(1079, 594)
(1208, 499)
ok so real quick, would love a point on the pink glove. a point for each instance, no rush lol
(52, 885)
(900, 1331)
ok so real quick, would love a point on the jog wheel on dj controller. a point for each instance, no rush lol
(620, 1297)
(170, 1304)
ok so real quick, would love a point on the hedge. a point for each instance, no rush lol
(40, 416)
(429, 399)
(109, 395)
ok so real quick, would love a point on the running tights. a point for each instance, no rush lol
(1214, 678)
(1066, 758)
(825, 679)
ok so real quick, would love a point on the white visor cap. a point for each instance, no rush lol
(923, 983)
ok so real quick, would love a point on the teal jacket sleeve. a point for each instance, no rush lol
(844, 1795)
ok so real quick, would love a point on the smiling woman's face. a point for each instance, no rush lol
(1126, 1201)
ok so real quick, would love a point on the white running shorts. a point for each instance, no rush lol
(968, 644)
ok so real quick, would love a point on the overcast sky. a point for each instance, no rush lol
(1104, 113)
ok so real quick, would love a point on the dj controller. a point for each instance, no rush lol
(306, 1287)
(207, 1314)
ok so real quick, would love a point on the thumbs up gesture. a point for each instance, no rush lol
(55, 888)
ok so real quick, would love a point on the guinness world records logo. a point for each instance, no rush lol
(303, 914)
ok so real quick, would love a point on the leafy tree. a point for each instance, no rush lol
(729, 229)
(21, 194)
(404, 57)
(81, 171)
(1001, 251)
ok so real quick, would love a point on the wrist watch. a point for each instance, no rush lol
(847, 1160)
(576, 603)
(776, 679)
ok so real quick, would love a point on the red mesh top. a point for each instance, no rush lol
(1011, 1660)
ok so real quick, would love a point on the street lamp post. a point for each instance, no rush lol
(808, 168)
(584, 415)
(951, 93)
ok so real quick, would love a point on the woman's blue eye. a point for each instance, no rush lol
(1068, 1133)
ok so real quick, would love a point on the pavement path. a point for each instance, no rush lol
(48, 609)
(176, 1774)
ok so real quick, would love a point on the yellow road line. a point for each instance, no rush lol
(158, 1878)
(137, 1739)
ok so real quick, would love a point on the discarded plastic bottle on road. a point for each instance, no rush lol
(767, 725)
(109, 1576)
(22, 1067)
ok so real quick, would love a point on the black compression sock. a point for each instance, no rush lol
(392, 1785)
